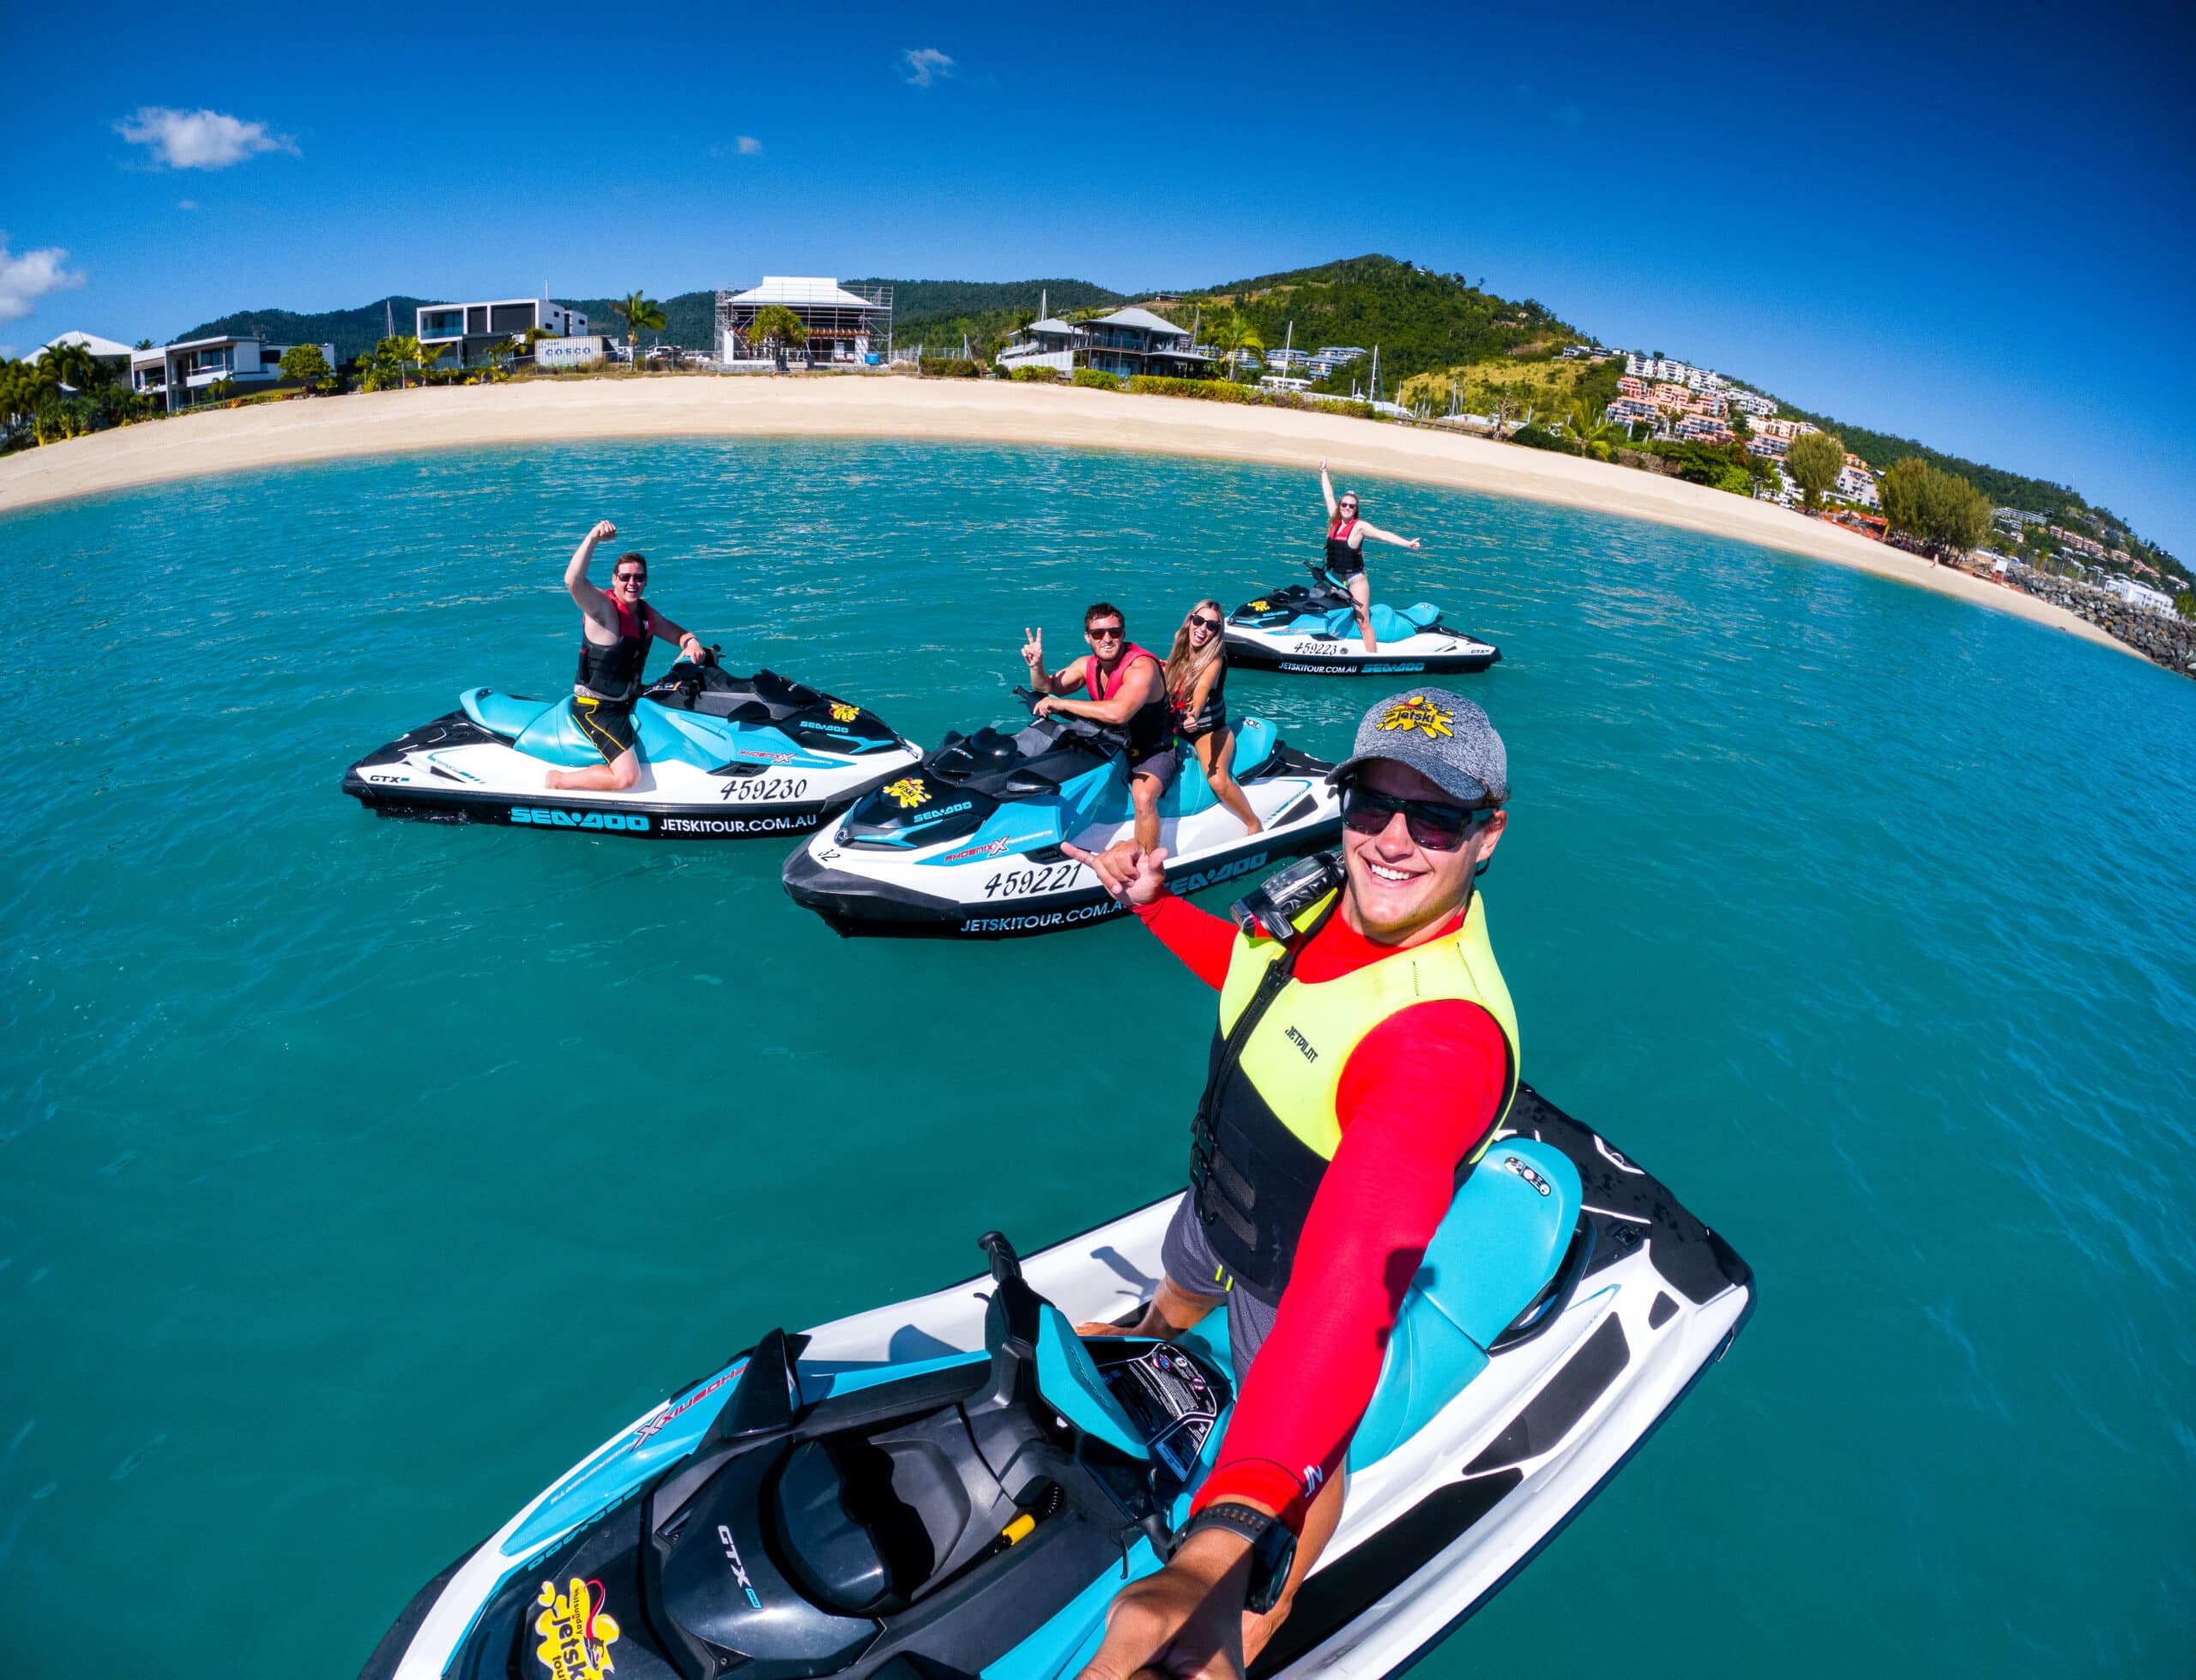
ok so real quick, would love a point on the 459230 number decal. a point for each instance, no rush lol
(1024, 883)
(757, 790)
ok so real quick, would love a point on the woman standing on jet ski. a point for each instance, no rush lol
(1345, 535)
(1197, 675)
(615, 630)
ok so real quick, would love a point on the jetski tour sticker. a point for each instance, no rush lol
(843, 713)
(909, 792)
(575, 1633)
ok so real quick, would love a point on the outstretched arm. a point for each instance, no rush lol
(592, 601)
(1136, 691)
(1327, 488)
(1137, 879)
(1040, 681)
(1379, 535)
(671, 632)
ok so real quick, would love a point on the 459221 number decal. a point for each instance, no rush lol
(1023, 884)
(757, 789)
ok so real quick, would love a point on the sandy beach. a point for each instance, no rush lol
(453, 417)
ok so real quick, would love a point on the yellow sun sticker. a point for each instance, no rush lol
(1419, 713)
(909, 792)
(843, 713)
(576, 1635)
(1257, 606)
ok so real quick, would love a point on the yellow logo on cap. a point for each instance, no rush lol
(575, 1633)
(908, 791)
(843, 713)
(1419, 713)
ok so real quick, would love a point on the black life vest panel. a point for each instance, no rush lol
(614, 672)
(1343, 561)
(1151, 725)
(1213, 712)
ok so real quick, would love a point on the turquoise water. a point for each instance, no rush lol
(360, 1176)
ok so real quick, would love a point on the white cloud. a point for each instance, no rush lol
(24, 279)
(749, 147)
(926, 65)
(199, 139)
(186, 204)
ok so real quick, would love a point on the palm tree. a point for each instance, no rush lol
(69, 364)
(1233, 334)
(643, 314)
(776, 324)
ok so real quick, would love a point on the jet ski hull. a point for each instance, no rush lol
(1434, 1524)
(404, 781)
(1321, 655)
(722, 757)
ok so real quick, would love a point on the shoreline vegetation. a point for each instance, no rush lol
(266, 435)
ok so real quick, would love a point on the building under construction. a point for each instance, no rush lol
(846, 325)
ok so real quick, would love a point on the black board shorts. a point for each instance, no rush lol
(1162, 764)
(607, 723)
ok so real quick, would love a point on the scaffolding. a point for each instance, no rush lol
(840, 321)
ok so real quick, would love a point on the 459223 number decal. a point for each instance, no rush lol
(756, 790)
(1023, 884)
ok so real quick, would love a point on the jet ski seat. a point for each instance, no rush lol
(1501, 1244)
(504, 714)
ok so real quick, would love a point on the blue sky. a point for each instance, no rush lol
(1970, 226)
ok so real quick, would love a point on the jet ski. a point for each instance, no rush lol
(958, 1485)
(967, 845)
(721, 757)
(1313, 629)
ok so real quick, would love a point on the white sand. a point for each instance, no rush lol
(990, 411)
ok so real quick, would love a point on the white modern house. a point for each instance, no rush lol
(1049, 343)
(472, 331)
(183, 373)
(847, 325)
(101, 350)
(2139, 595)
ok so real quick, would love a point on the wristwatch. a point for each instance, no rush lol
(1273, 1549)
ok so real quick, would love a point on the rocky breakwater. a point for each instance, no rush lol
(2165, 637)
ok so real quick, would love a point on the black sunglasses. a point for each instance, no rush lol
(1437, 827)
(1199, 619)
(1105, 632)
(632, 577)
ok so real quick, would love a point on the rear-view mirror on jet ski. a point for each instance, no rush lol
(958, 1484)
(721, 757)
(968, 843)
(1312, 630)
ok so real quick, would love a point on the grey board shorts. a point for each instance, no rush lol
(1191, 1265)
(1162, 765)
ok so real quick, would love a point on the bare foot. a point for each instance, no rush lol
(1253, 827)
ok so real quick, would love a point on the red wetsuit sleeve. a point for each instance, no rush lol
(1203, 941)
(1416, 1096)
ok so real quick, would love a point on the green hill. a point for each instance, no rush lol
(353, 331)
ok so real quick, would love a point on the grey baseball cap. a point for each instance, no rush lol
(1446, 737)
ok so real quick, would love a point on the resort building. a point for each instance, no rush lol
(1634, 410)
(472, 332)
(1701, 429)
(1769, 449)
(1748, 402)
(1286, 360)
(1784, 430)
(100, 349)
(184, 373)
(1133, 340)
(2139, 595)
(1049, 343)
(847, 325)
(1856, 482)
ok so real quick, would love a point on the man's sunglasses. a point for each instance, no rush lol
(632, 577)
(1209, 623)
(1105, 632)
(1434, 826)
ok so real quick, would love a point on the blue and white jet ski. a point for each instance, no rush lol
(967, 845)
(721, 758)
(1312, 630)
(958, 1485)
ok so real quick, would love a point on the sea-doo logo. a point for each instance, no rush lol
(738, 1568)
(1397, 668)
(617, 821)
(1419, 713)
(1218, 872)
(575, 1632)
(1303, 1043)
(1513, 1165)
(908, 791)
(843, 713)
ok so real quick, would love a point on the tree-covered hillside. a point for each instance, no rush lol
(1422, 321)
(938, 312)
(2005, 489)
(353, 331)
(689, 320)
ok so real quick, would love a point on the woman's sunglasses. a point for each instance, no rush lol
(1436, 827)
(1209, 623)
